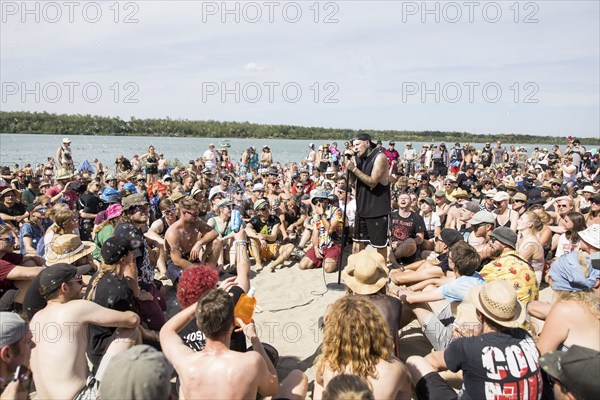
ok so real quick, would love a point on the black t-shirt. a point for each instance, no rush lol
(404, 228)
(16, 210)
(497, 365)
(465, 182)
(265, 228)
(193, 337)
(110, 292)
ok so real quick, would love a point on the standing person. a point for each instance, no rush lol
(90, 205)
(499, 154)
(64, 156)
(311, 157)
(410, 156)
(392, 154)
(151, 165)
(370, 170)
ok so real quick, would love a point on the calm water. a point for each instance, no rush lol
(22, 149)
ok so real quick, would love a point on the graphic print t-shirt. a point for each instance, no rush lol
(404, 228)
(497, 366)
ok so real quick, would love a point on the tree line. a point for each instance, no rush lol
(65, 124)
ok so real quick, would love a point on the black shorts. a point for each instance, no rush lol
(374, 231)
(432, 386)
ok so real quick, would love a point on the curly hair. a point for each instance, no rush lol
(195, 282)
(588, 299)
(356, 335)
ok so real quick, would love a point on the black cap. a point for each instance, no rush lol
(451, 236)
(425, 176)
(575, 369)
(53, 277)
(117, 247)
(365, 136)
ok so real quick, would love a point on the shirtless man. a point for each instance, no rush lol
(185, 239)
(58, 360)
(224, 373)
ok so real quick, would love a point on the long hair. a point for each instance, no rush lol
(356, 336)
(59, 214)
(579, 225)
(104, 269)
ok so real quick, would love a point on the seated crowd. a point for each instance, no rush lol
(87, 260)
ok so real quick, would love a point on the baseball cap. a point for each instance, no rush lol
(472, 206)
(366, 137)
(12, 328)
(482, 217)
(141, 372)
(52, 278)
(575, 369)
(117, 247)
(136, 199)
(451, 236)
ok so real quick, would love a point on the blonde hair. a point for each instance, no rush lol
(356, 335)
(59, 214)
(104, 269)
(588, 299)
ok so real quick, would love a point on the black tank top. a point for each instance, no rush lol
(374, 202)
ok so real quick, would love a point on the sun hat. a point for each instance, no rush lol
(130, 187)
(451, 236)
(141, 372)
(318, 194)
(224, 202)
(109, 195)
(5, 191)
(66, 140)
(260, 203)
(63, 174)
(591, 236)
(117, 247)
(52, 278)
(505, 236)
(68, 249)
(490, 193)
(498, 301)
(588, 189)
(366, 272)
(195, 191)
(509, 183)
(576, 369)
(440, 193)
(482, 217)
(137, 199)
(501, 196)
(519, 197)
(176, 196)
(110, 177)
(258, 187)
(458, 193)
(12, 328)
(566, 273)
(113, 211)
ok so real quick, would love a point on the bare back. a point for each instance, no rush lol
(222, 374)
(58, 361)
(393, 380)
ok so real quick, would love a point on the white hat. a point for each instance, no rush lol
(258, 187)
(591, 236)
(588, 189)
(501, 196)
(66, 140)
(482, 217)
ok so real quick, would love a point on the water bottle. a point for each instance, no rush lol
(244, 309)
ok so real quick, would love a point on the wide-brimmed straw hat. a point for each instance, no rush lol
(68, 249)
(498, 301)
(366, 272)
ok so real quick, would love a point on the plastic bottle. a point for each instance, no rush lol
(244, 309)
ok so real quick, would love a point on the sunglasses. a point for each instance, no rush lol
(238, 192)
(189, 212)
(556, 184)
(140, 208)
(265, 208)
(561, 205)
(498, 203)
(225, 178)
(10, 239)
(170, 211)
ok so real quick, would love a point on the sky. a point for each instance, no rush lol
(523, 67)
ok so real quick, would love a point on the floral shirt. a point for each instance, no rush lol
(325, 239)
(512, 268)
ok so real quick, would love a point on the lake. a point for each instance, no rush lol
(26, 148)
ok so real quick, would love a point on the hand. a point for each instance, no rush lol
(196, 252)
(227, 284)
(350, 165)
(145, 296)
(248, 329)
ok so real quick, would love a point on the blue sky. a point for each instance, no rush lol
(374, 65)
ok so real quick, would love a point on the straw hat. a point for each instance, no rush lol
(63, 174)
(366, 272)
(498, 301)
(460, 193)
(68, 249)
(176, 196)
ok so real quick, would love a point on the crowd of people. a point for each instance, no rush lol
(461, 240)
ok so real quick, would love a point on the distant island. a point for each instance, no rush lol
(64, 124)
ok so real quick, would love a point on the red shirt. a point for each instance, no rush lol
(70, 196)
(7, 264)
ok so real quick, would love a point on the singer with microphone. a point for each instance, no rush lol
(368, 167)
